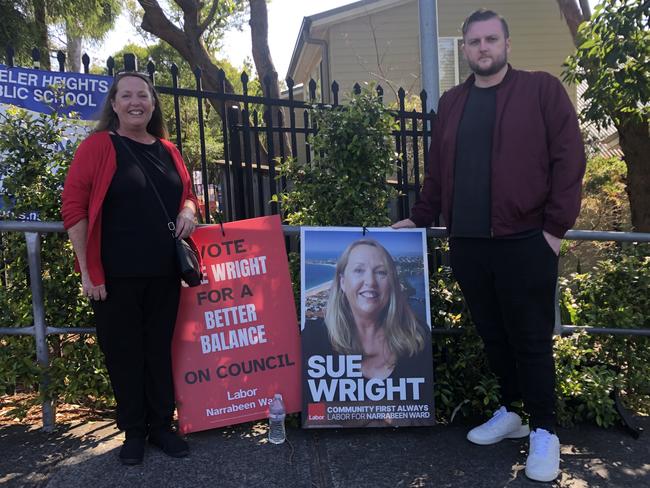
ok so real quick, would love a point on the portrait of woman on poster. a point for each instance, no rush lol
(368, 314)
(126, 255)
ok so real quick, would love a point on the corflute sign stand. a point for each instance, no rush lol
(366, 334)
(237, 340)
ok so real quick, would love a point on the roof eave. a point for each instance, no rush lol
(297, 50)
(322, 18)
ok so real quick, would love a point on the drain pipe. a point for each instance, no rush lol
(326, 84)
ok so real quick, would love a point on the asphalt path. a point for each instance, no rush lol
(84, 454)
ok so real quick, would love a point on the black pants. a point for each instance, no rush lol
(509, 286)
(135, 326)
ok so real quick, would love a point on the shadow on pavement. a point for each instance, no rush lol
(85, 455)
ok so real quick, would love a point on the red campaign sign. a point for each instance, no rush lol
(236, 341)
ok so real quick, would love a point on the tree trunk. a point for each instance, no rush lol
(40, 23)
(188, 43)
(261, 53)
(586, 9)
(266, 71)
(634, 141)
(573, 16)
(73, 43)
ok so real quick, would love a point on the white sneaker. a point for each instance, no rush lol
(502, 425)
(543, 463)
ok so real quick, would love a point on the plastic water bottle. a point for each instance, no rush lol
(277, 433)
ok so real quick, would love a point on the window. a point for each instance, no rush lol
(453, 68)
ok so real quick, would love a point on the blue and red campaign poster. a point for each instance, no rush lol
(366, 328)
(237, 340)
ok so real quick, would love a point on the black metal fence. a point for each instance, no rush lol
(260, 132)
(248, 178)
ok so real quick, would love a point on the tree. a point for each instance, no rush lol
(574, 12)
(189, 40)
(24, 25)
(612, 57)
(261, 54)
(16, 28)
(84, 19)
(36, 152)
(163, 56)
(40, 29)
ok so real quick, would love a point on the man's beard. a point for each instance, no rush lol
(496, 66)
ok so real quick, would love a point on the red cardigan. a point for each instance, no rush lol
(86, 184)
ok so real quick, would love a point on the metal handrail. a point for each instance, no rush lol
(40, 330)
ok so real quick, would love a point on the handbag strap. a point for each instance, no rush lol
(170, 223)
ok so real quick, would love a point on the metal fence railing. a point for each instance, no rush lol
(40, 330)
(259, 132)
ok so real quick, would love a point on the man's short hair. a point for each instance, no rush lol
(485, 14)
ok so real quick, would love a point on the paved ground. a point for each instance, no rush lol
(85, 455)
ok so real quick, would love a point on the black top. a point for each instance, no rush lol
(471, 213)
(135, 239)
(315, 340)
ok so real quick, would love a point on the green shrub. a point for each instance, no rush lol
(615, 292)
(584, 384)
(345, 183)
(353, 155)
(590, 367)
(605, 206)
(36, 153)
(464, 384)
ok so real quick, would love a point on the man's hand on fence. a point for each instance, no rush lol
(404, 224)
(91, 291)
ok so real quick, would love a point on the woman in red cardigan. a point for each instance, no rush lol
(126, 255)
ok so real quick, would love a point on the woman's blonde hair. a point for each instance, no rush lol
(108, 118)
(403, 334)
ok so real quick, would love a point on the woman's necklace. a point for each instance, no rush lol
(144, 138)
(378, 366)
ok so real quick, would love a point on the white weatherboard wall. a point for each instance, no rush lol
(390, 56)
(384, 46)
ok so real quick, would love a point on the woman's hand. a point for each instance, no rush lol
(78, 233)
(185, 223)
(91, 291)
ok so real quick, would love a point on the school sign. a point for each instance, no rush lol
(48, 91)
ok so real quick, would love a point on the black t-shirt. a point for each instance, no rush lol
(316, 341)
(471, 210)
(135, 239)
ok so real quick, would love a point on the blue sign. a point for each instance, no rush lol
(48, 91)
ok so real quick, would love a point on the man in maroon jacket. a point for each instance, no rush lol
(505, 170)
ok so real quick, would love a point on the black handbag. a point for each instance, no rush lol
(188, 262)
(187, 255)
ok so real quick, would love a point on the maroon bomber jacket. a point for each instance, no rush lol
(538, 158)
